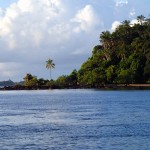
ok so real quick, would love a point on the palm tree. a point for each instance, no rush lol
(141, 19)
(50, 65)
(105, 39)
(126, 22)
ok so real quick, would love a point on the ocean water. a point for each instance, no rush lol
(75, 120)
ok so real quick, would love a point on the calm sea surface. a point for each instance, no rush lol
(75, 120)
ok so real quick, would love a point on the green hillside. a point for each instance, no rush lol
(122, 57)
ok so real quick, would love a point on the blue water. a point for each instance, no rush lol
(75, 120)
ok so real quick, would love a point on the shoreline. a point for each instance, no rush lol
(103, 87)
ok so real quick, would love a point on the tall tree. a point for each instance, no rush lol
(50, 65)
(105, 38)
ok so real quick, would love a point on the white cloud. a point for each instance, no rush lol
(134, 21)
(1, 12)
(27, 21)
(86, 19)
(120, 3)
(34, 30)
(132, 13)
(115, 24)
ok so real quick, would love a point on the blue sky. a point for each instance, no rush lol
(6, 3)
(31, 31)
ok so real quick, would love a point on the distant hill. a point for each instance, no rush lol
(7, 83)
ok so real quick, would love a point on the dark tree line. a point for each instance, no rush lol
(64, 81)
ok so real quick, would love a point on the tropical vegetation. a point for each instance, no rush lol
(122, 57)
(50, 65)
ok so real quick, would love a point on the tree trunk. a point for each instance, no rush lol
(50, 74)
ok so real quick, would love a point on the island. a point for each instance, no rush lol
(121, 60)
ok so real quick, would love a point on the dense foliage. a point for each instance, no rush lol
(122, 57)
(64, 81)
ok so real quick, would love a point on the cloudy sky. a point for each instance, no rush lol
(31, 31)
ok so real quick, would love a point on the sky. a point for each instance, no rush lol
(32, 31)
